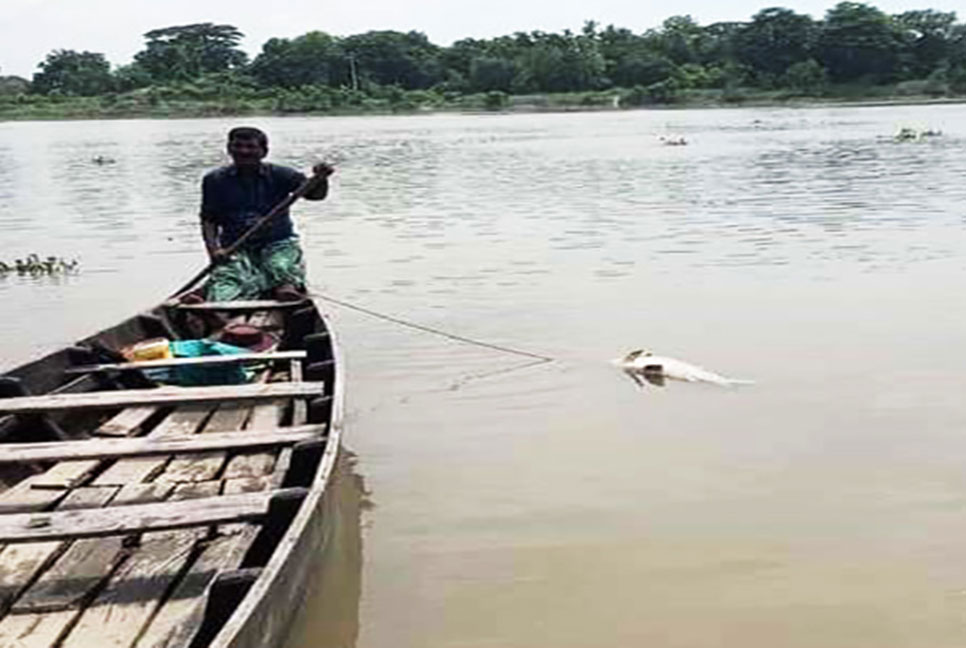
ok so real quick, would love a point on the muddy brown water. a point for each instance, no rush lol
(559, 505)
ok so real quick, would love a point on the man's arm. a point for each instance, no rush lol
(209, 232)
(209, 224)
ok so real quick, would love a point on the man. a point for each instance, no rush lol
(234, 197)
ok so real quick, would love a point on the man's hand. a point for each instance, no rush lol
(218, 255)
(323, 169)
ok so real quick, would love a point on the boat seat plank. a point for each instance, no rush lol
(243, 305)
(145, 446)
(158, 396)
(118, 614)
(238, 358)
(139, 518)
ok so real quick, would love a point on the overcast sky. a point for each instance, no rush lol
(29, 29)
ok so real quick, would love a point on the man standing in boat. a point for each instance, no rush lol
(233, 198)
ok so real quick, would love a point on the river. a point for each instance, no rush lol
(560, 505)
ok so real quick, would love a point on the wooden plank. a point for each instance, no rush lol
(299, 408)
(64, 475)
(159, 396)
(180, 617)
(139, 518)
(174, 606)
(229, 416)
(69, 474)
(266, 416)
(145, 446)
(20, 564)
(196, 490)
(181, 422)
(246, 465)
(131, 471)
(205, 466)
(117, 615)
(34, 630)
(237, 358)
(247, 485)
(241, 305)
(127, 422)
(23, 497)
(84, 566)
(142, 493)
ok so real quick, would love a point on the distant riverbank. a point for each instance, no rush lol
(148, 104)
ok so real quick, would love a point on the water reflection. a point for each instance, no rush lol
(330, 613)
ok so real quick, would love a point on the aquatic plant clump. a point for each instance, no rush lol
(34, 266)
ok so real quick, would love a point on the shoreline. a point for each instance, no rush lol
(544, 105)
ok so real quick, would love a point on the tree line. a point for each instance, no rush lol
(854, 43)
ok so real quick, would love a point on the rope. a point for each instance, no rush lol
(434, 331)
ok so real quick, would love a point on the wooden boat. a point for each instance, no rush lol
(142, 515)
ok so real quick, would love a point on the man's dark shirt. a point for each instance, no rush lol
(234, 201)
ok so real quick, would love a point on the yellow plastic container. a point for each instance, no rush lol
(155, 349)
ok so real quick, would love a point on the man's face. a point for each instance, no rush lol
(245, 151)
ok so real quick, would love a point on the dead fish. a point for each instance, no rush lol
(654, 369)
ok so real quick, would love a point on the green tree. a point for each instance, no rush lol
(680, 39)
(775, 39)
(807, 77)
(185, 52)
(492, 73)
(73, 73)
(563, 62)
(132, 77)
(13, 85)
(858, 41)
(631, 60)
(407, 60)
(314, 58)
(928, 36)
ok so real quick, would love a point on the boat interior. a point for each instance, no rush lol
(138, 510)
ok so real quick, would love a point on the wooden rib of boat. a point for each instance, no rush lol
(140, 515)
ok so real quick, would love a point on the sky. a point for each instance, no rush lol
(30, 29)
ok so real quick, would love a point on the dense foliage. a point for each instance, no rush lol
(854, 46)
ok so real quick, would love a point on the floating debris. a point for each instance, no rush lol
(34, 266)
(674, 141)
(907, 134)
